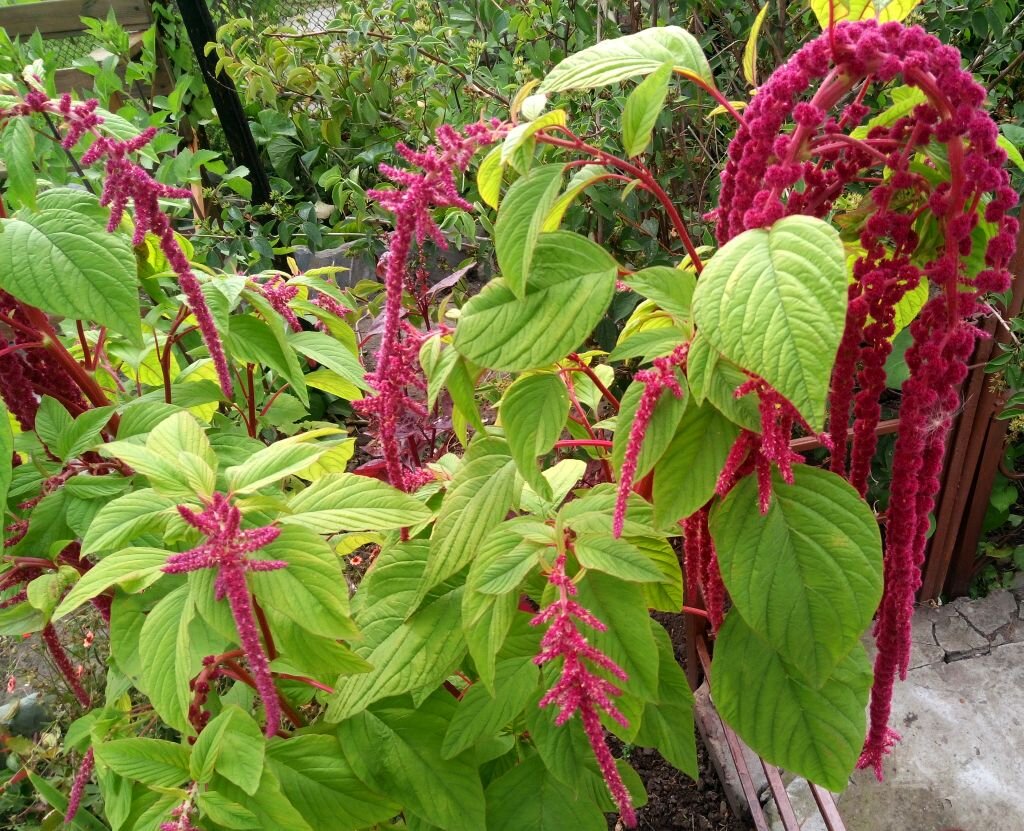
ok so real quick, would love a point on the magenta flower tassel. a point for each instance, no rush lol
(63, 662)
(661, 376)
(579, 688)
(226, 549)
(78, 786)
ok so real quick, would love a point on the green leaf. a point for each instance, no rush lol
(478, 499)
(310, 591)
(774, 301)
(671, 288)
(616, 557)
(126, 518)
(410, 655)
(667, 595)
(570, 284)
(519, 222)
(344, 501)
(713, 378)
(638, 54)
(225, 812)
(19, 155)
(52, 422)
(687, 472)
(642, 109)
(504, 572)
(583, 178)
(6, 456)
(668, 723)
(151, 761)
(628, 639)
(520, 137)
(533, 413)
(750, 50)
(816, 733)
(83, 821)
(168, 662)
(84, 434)
(668, 412)
(271, 807)
(488, 177)
(396, 750)
(129, 564)
(807, 576)
(881, 10)
(279, 460)
(232, 745)
(481, 714)
(253, 341)
(67, 264)
(318, 780)
(529, 796)
(332, 354)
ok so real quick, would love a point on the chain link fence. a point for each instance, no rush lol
(304, 15)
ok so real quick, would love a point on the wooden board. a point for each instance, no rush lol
(61, 18)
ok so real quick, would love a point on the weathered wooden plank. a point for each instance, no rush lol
(61, 18)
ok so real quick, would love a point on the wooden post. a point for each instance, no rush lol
(199, 23)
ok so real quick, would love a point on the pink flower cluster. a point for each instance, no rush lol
(63, 662)
(429, 184)
(279, 293)
(226, 549)
(579, 688)
(82, 778)
(660, 377)
(760, 185)
(701, 564)
(127, 180)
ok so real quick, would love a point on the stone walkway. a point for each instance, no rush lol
(960, 764)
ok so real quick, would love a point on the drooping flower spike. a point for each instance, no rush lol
(913, 230)
(226, 549)
(429, 184)
(579, 688)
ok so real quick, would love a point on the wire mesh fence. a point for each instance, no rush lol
(304, 15)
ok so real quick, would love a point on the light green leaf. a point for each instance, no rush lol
(67, 264)
(481, 714)
(533, 413)
(224, 811)
(666, 596)
(150, 761)
(880, 10)
(232, 745)
(687, 472)
(583, 178)
(332, 354)
(638, 54)
(168, 662)
(52, 422)
(529, 796)
(127, 518)
(6, 455)
(344, 501)
(1012, 152)
(808, 574)
(318, 780)
(279, 460)
(750, 50)
(271, 807)
(713, 378)
(815, 733)
(129, 564)
(642, 109)
(519, 222)
(488, 177)
(616, 557)
(908, 306)
(19, 155)
(570, 284)
(504, 572)
(310, 591)
(84, 434)
(254, 341)
(774, 301)
(478, 499)
(408, 656)
(671, 288)
(519, 136)
(397, 751)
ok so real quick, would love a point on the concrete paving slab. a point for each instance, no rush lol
(960, 764)
(992, 612)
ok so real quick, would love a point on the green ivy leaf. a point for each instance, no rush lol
(816, 733)
(344, 501)
(151, 761)
(397, 750)
(807, 576)
(642, 109)
(232, 745)
(318, 780)
(687, 472)
(571, 283)
(67, 264)
(519, 222)
(533, 413)
(481, 714)
(529, 796)
(774, 301)
(638, 54)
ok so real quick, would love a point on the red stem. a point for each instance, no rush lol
(86, 357)
(587, 370)
(233, 670)
(17, 347)
(583, 443)
(302, 679)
